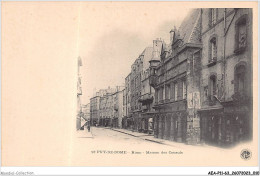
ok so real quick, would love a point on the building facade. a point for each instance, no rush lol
(197, 88)
(175, 72)
(135, 89)
(226, 84)
(118, 107)
(86, 111)
(127, 119)
(94, 110)
(138, 68)
(146, 124)
(79, 94)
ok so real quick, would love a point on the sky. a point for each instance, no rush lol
(111, 35)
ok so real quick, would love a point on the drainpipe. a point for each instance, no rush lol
(224, 57)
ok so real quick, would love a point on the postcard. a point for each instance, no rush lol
(129, 84)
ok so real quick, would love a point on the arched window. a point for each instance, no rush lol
(240, 72)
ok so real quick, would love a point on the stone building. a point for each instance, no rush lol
(147, 91)
(135, 89)
(86, 111)
(94, 110)
(106, 109)
(79, 94)
(127, 121)
(226, 82)
(102, 107)
(137, 69)
(174, 72)
(118, 107)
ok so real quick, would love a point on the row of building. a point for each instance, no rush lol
(196, 89)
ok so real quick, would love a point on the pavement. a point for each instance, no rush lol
(149, 137)
(143, 136)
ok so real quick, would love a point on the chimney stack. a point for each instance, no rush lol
(173, 34)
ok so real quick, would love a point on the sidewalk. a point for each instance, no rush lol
(151, 138)
(84, 134)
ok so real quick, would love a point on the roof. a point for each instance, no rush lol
(148, 54)
(188, 31)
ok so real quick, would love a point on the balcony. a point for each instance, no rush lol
(153, 80)
(146, 99)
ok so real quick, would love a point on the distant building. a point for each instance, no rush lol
(137, 70)
(146, 99)
(86, 111)
(127, 120)
(94, 110)
(102, 107)
(118, 107)
(79, 93)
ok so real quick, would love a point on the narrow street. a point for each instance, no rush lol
(106, 147)
(106, 137)
(86, 148)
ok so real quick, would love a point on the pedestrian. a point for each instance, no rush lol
(88, 128)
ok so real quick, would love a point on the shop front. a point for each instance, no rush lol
(226, 126)
(171, 126)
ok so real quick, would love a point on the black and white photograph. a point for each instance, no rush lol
(97, 84)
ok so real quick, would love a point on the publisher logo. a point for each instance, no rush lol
(246, 154)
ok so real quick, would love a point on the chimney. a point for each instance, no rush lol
(172, 34)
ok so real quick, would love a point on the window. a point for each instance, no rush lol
(240, 78)
(184, 89)
(212, 85)
(175, 91)
(167, 91)
(241, 34)
(163, 93)
(172, 91)
(213, 49)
